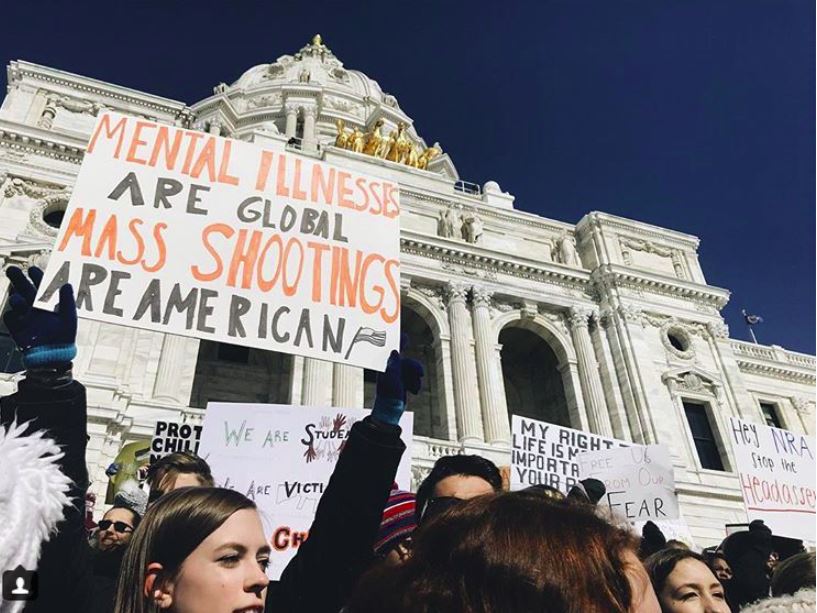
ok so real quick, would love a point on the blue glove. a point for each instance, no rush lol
(44, 337)
(402, 375)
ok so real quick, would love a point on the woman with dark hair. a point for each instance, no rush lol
(684, 583)
(508, 553)
(197, 549)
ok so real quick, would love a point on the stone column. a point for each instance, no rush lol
(168, 375)
(310, 113)
(47, 118)
(609, 379)
(494, 420)
(466, 400)
(347, 386)
(592, 391)
(292, 119)
(317, 389)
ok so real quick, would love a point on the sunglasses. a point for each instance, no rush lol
(118, 526)
(437, 506)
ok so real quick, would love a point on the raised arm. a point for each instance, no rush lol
(49, 400)
(322, 575)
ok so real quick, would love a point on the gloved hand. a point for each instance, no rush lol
(44, 337)
(401, 375)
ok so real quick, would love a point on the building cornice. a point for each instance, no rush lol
(19, 70)
(478, 258)
(615, 275)
(39, 141)
(640, 229)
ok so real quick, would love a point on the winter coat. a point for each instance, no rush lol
(65, 571)
(320, 578)
(803, 601)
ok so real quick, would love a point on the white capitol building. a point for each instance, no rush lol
(607, 325)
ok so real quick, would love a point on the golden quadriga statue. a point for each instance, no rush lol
(396, 147)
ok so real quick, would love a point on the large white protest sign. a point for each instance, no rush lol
(639, 481)
(173, 437)
(281, 457)
(189, 233)
(546, 454)
(776, 471)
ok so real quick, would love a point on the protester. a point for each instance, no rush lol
(199, 549)
(548, 492)
(396, 527)
(721, 568)
(48, 399)
(342, 536)
(110, 543)
(509, 553)
(181, 469)
(793, 587)
(587, 491)
(748, 553)
(801, 602)
(794, 574)
(116, 528)
(684, 583)
(453, 478)
(652, 540)
(676, 544)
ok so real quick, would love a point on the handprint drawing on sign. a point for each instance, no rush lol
(310, 453)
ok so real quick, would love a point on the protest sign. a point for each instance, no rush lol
(546, 454)
(776, 472)
(189, 233)
(172, 437)
(281, 457)
(639, 480)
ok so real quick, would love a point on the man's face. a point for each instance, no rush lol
(463, 487)
(118, 529)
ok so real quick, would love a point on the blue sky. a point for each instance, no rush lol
(693, 115)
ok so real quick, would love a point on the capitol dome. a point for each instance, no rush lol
(308, 97)
(315, 64)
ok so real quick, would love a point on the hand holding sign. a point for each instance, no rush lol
(401, 375)
(45, 337)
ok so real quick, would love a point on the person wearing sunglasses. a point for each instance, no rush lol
(107, 549)
(116, 528)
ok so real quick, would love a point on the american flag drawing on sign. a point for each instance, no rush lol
(368, 335)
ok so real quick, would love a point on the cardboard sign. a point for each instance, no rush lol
(639, 480)
(546, 454)
(193, 234)
(281, 457)
(776, 471)
(172, 437)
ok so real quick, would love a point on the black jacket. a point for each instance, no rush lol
(319, 578)
(322, 575)
(53, 402)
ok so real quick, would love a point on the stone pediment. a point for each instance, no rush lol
(692, 379)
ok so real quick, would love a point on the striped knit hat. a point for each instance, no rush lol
(398, 521)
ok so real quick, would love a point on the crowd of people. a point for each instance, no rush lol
(461, 544)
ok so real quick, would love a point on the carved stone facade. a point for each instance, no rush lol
(611, 318)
